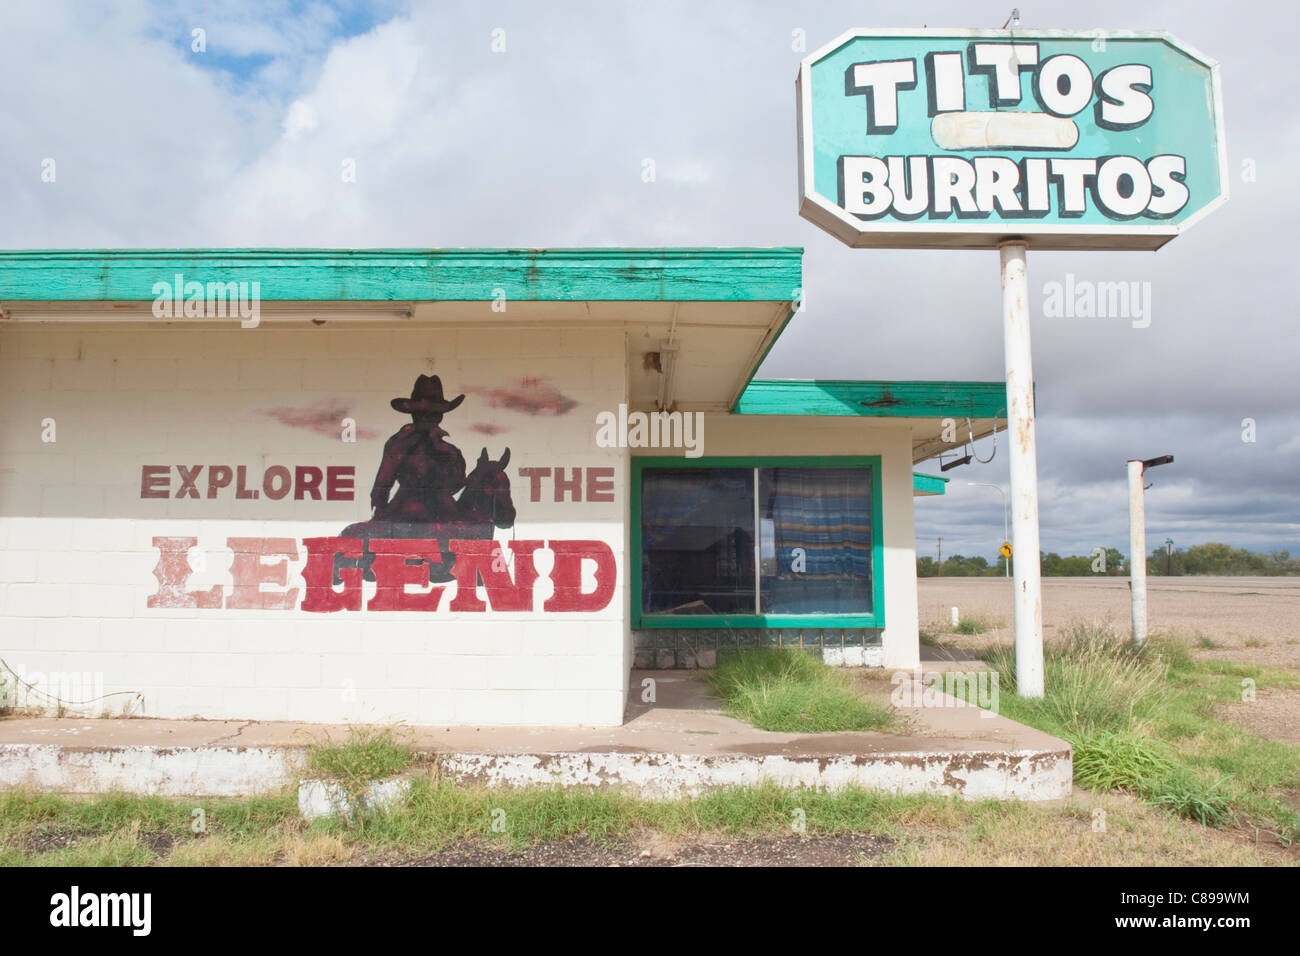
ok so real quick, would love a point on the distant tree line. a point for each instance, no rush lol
(1215, 558)
(1209, 558)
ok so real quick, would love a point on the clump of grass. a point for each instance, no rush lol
(23, 811)
(1171, 649)
(437, 814)
(929, 637)
(1113, 760)
(117, 849)
(975, 624)
(1147, 722)
(1183, 793)
(367, 755)
(119, 829)
(1095, 680)
(1146, 768)
(789, 690)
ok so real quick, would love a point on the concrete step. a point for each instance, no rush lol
(680, 743)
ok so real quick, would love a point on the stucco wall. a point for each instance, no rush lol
(80, 561)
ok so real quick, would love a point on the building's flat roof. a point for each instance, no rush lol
(974, 408)
(922, 399)
(722, 308)
(924, 485)
(412, 275)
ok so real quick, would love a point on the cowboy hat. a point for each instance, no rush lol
(426, 396)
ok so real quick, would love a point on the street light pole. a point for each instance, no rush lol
(1005, 519)
(1137, 542)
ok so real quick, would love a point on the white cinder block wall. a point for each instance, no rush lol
(78, 559)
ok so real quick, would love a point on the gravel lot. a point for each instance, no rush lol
(1247, 620)
(1252, 620)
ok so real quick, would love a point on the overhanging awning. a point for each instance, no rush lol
(978, 408)
(410, 275)
(703, 318)
(926, 485)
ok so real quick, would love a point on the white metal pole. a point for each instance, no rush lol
(1137, 547)
(1024, 469)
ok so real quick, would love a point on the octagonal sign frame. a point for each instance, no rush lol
(1185, 90)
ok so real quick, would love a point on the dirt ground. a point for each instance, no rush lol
(1247, 620)
(845, 849)
(1274, 714)
(1251, 620)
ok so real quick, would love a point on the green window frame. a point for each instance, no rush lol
(876, 619)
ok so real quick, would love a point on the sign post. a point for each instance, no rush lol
(1024, 469)
(1011, 140)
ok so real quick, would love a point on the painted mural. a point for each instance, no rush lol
(433, 521)
(429, 473)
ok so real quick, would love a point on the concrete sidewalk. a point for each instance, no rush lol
(679, 744)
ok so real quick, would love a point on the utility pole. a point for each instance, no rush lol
(1137, 542)
(940, 570)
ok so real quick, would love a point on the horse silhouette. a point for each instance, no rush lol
(483, 506)
(485, 503)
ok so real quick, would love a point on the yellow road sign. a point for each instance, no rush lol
(1005, 549)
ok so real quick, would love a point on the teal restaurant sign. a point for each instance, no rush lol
(934, 138)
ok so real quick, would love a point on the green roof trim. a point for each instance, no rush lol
(928, 484)
(874, 399)
(412, 275)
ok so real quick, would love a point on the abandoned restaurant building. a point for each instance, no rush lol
(461, 487)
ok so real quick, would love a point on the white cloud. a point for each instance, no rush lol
(300, 119)
(454, 145)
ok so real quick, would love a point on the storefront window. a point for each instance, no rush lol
(815, 536)
(815, 549)
(697, 539)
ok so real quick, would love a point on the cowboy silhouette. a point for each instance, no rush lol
(429, 472)
(427, 469)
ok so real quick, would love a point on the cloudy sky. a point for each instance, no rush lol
(235, 136)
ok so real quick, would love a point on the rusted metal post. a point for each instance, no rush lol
(1024, 469)
(1137, 549)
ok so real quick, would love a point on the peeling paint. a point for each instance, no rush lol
(165, 771)
(225, 771)
(1020, 775)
